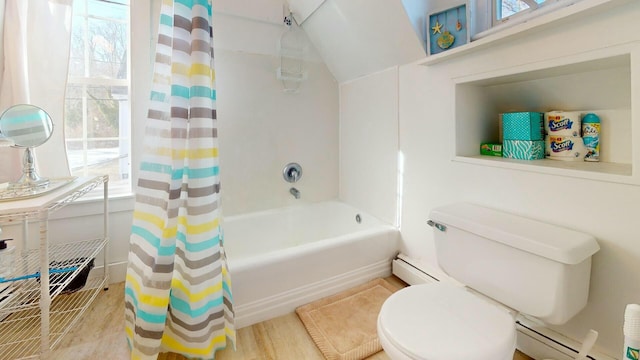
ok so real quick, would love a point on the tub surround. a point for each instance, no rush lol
(261, 127)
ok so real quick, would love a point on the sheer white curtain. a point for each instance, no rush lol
(34, 58)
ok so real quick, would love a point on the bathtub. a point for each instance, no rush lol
(283, 258)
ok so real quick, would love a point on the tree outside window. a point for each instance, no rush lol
(97, 110)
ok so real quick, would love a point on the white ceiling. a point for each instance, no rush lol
(359, 37)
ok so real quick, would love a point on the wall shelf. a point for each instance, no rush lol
(599, 82)
(574, 9)
(603, 171)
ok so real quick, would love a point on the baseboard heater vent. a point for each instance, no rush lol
(534, 339)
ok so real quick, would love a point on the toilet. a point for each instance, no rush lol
(502, 265)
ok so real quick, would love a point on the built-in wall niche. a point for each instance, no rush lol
(602, 85)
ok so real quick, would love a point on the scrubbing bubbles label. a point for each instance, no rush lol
(632, 354)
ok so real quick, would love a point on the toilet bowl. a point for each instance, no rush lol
(531, 267)
(440, 321)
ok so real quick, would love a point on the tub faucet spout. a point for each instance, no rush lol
(295, 192)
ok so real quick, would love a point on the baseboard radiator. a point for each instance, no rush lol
(534, 339)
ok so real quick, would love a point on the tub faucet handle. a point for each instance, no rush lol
(292, 172)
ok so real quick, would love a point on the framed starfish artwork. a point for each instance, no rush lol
(447, 29)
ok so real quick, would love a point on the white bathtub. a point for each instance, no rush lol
(283, 258)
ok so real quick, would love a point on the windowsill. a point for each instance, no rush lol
(579, 9)
(94, 206)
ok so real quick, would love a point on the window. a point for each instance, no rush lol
(504, 9)
(492, 16)
(97, 120)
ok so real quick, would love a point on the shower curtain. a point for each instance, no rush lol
(178, 292)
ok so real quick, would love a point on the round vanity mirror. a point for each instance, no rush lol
(27, 126)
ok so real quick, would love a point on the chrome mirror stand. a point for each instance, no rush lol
(30, 178)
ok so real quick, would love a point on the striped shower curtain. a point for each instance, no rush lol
(177, 292)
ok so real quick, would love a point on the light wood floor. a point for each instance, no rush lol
(100, 335)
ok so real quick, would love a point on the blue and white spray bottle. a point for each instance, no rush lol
(591, 136)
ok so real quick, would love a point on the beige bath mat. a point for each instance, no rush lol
(343, 326)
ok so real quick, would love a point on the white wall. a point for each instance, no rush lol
(369, 143)
(360, 37)
(262, 128)
(609, 211)
(417, 11)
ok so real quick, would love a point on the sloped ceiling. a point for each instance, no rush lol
(358, 37)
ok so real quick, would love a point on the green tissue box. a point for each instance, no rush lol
(523, 149)
(523, 126)
(491, 149)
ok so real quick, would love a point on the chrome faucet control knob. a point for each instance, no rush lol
(292, 172)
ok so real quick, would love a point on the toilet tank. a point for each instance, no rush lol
(537, 268)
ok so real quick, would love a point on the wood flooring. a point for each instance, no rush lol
(100, 335)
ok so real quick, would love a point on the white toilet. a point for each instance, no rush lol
(522, 265)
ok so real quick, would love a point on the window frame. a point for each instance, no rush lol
(122, 187)
(143, 38)
(485, 16)
(496, 12)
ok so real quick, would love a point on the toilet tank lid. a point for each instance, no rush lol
(550, 241)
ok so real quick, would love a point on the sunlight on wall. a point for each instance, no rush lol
(399, 182)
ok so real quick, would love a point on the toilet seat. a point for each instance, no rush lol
(444, 322)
